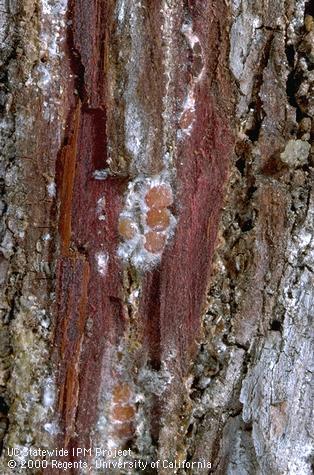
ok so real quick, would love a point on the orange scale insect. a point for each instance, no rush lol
(159, 196)
(121, 393)
(158, 219)
(126, 228)
(123, 413)
(187, 119)
(154, 242)
(124, 430)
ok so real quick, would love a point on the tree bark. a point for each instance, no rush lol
(157, 235)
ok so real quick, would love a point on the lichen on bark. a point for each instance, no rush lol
(30, 77)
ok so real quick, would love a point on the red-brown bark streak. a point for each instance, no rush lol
(84, 295)
(173, 295)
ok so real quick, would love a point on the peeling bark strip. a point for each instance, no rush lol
(147, 133)
(157, 233)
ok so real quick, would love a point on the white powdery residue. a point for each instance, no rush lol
(49, 394)
(45, 323)
(50, 46)
(133, 196)
(120, 10)
(102, 259)
(188, 108)
(189, 103)
(156, 382)
(101, 174)
(127, 248)
(19, 213)
(51, 189)
(134, 129)
(52, 428)
(45, 77)
(45, 7)
(113, 443)
(167, 159)
(54, 7)
(145, 260)
(304, 238)
(100, 208)
(102, 424)
(187, 30)
(133, 297)
(256, 23)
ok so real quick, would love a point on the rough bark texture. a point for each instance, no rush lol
(204, 349)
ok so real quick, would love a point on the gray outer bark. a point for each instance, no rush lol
(256, 410)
